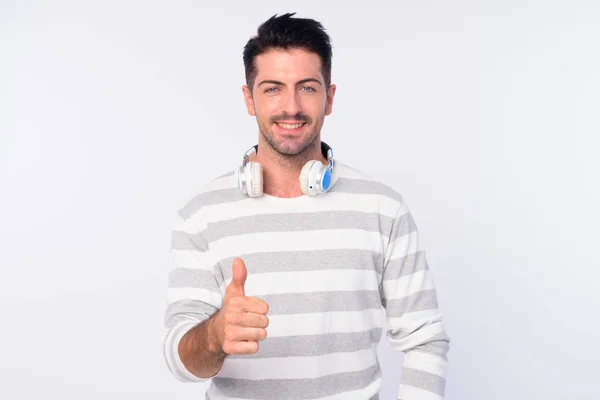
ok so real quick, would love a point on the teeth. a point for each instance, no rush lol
(290, 126)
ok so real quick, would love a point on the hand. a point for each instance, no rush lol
(242, 320)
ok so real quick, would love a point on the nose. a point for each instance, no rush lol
(291, 103)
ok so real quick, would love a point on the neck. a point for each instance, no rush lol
(281, 173)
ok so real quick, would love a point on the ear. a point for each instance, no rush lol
(329, 104)
(248, 100)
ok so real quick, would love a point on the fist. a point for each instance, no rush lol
(242, 320)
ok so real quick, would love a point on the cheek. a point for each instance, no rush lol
(314, 108)
(264, 116)
(266, 107)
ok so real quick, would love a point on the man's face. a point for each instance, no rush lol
(289, 99)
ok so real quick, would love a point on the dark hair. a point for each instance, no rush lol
(285, 32)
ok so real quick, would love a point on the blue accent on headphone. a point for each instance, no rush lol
(326, 179)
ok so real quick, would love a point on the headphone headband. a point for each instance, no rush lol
(326, 150)
(251, 152)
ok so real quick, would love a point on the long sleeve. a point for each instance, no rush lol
(193, 293)
(417, 328)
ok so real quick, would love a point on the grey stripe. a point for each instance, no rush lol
(420, 301)
(181, 240)
(307, 221)
(439, 345)
(209, 198)
(315, 345)
(424, 380)
(405, 266)
(316, 260)
(278, 389)
(196, 278)
(302, 303)
(403, 225)
(364, 186)
(179, 310)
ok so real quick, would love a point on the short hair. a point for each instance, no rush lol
(285, 32)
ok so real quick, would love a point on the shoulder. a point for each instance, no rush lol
(220, 189)
(381, 197)
(352, 180)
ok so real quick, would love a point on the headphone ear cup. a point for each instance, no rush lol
(308, 177)
(304, 177)
(254, 179)
(239, 175)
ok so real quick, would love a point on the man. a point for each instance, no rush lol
(281, 267)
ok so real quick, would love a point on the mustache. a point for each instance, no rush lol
(286, 117)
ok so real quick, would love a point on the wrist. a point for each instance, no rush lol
(213, 337)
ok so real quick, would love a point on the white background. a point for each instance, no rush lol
(482, 114)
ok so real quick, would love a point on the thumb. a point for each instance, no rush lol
(238, 280)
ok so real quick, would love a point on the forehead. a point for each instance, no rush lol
(288, 65)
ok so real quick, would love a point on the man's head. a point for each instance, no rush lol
(288, 82)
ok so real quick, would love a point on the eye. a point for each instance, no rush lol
(271, 90)
(308, 89)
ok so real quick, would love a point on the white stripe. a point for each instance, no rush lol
(327, 280)
(333, 201)
(426, 362)
(325, 322)
(298, 367)
(188, 293)
(412, 320)
(403, 246)
(192, 259)
(196, 223)
(410, 392)
(408, 284)
(232, 246)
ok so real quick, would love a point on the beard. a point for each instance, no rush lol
(289, 147)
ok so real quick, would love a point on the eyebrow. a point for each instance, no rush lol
(297, 83)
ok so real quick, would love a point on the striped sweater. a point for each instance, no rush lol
(325, 265)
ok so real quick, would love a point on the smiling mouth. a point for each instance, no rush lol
(290, 126)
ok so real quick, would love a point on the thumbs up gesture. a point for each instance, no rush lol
(242, 320)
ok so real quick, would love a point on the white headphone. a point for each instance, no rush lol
(315, 178)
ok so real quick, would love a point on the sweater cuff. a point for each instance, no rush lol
(423, 376)
(171, 352)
